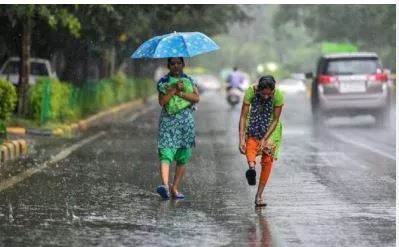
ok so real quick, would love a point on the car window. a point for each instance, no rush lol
(12, 67)
(38, 69)
(352, 66)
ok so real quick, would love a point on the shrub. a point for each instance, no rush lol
(51, 100)
(119, 82)
(105, 96)
(58, 102)
(8, 99)
(130, 91)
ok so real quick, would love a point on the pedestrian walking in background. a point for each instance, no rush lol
(260, 130)
(176, 137)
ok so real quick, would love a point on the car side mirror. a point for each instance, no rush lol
(309, 75)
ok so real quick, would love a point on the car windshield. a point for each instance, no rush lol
(353, 66)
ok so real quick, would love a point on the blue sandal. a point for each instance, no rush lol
(163, 192)
(177, 196)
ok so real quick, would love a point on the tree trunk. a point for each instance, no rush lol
(24, 68)
(85, 63)
(104, 64)
(112, 65)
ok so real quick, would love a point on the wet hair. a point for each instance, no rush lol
(266, 81)
(181, 59)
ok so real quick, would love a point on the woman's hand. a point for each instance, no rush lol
(180, 85)
(172, 90)
(264, 144)
(163, 99)
(242, 146)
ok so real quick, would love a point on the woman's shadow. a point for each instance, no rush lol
(259, 234)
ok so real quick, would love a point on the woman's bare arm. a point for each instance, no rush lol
(192, 97)
(241, 126)
(163, 99)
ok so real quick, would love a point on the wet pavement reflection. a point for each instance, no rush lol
(323, 191)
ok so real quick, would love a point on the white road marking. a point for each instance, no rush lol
(367, 147)
(136, 115)
(60, 156)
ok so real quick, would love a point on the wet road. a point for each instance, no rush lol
(334, 187)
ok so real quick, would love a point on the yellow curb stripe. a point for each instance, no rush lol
(24, 146)
(4, 153)
(82, 125)
(74, 127)
(68, 129)
(11, 150)
(58, 132)
(17, 148)
(16, 130)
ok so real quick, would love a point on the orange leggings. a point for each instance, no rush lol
(252, 146)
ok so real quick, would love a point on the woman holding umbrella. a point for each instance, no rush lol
(176, 94)
(176, 135)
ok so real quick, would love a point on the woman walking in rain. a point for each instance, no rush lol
(176, 138)
(260, 130)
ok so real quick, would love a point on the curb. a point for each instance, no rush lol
(10, 150)
(82, 125)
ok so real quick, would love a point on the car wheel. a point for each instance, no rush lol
(317, 115)
(382, 117)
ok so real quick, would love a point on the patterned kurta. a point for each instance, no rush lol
(261, 115)
(176, 130)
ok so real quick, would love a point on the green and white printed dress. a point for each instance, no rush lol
(176, 130)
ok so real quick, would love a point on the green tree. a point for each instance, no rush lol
(23, 18)
(110, 33)
(371, 27)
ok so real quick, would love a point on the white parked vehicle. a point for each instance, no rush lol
(38, 67)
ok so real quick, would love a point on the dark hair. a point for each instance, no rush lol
(266, 81)
(235, 68)
(181, 59)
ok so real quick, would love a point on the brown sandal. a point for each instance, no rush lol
(260, 203)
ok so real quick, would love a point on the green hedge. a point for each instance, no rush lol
(8, 99)
(49, 100)
(59, 102)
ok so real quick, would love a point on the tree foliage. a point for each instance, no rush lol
(371, 27)
(21, 19)
(81, 39)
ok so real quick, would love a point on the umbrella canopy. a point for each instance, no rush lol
(183, 44)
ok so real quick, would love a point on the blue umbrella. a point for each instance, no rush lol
(184, 44)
